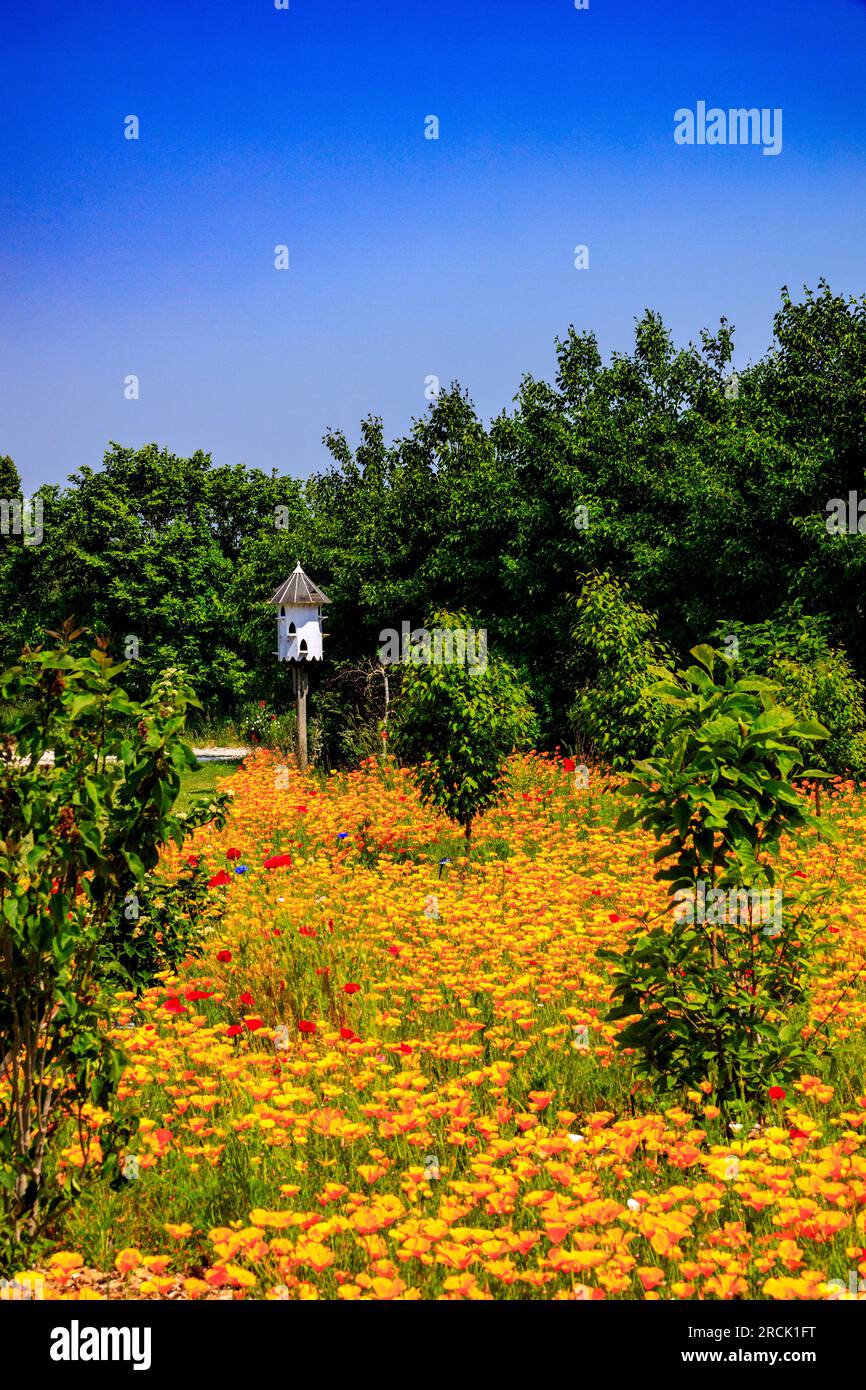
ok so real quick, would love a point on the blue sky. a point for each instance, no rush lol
(408, 257)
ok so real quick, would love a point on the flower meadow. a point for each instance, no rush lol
(387, 1075)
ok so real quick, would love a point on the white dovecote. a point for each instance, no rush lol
(299, 603)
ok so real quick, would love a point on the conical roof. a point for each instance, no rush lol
(299, 589)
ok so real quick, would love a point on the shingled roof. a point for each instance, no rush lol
(299, 589)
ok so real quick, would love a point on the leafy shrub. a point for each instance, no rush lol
(709, 999)
(158, 927)
(816, 681)
(617, 640)
(80, 834)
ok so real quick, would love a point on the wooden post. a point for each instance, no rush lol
(302, 685)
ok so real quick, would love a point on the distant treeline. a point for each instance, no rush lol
(707, 492)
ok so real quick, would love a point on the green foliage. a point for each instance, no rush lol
(708, 500)
(80, 833)
(816, 681)
(172, 552)
(619, 643)
(255, 722)
(264, 728)
(10, 483)
(457, 723)
(361, 738)
(156, 928)
(354, 705)
(715, 999)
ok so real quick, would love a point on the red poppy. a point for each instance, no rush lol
(405, 1049)
(348, 1034)
(306, 1026)
(568, 764)
(394, 950)
(233, 1030)
(174, 1006)
(163, 1136)
(246, 998)
(224, 956)
(798, 873)
(307, 931)
(219, 880)
(797, 1134)
(278, 861)
(301, 809)
(777, 1093)
(192, 860)
(614, 917)
(192, 995)
(233, 854)
(351, 989)
(253, 1024)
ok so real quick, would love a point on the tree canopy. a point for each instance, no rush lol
(705, 493)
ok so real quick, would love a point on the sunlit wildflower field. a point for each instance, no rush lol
(388, 1074)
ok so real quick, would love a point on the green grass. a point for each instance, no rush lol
(215, 731)
(202, 778)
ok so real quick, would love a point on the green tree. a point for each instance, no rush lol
(10, 483)
(457, 721)
(172, 559)
(716, 996)
(615, 712)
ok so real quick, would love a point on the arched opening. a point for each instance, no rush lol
(292, 629)
(302, 647)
